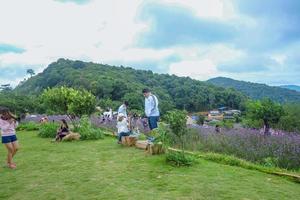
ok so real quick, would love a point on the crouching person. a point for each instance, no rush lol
(62, 131)
(123, 127)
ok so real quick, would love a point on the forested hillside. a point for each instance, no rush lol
(111, 85)
(258, 91)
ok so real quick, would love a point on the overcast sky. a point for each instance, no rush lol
(251, 40)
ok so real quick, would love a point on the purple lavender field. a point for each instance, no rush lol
(278, 150)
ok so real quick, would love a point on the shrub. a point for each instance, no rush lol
(48, 130)
(180, 158)
(28, 126)
(177, 120)
(161, 135)
(87, 131)
(200, 119)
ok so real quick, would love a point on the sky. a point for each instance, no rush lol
(249, 40)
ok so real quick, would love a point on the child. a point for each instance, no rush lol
(123, 127)
(8, 125)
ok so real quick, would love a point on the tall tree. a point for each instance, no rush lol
(265, 110)
(30, 72)
(73, 103)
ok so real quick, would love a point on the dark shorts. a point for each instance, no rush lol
(152, 120)
(9, 139)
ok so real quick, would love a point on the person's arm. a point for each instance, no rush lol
(148, 107)
(153, 103)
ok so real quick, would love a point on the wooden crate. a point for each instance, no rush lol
(128, 141)
(155, 149)
(141, 144)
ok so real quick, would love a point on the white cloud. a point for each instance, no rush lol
(105, 32)
(198, 69)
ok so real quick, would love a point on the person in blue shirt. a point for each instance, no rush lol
(151, 108)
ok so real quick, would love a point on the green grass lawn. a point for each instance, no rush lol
(104, 170)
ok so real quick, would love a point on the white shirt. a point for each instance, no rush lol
(122, 109)
(122, 126)
(151, 106)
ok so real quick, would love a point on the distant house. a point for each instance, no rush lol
(215, 115)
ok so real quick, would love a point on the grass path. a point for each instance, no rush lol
(104, 170)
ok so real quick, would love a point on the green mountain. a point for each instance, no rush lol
(112, 84)
(258, 91)
(291, 87)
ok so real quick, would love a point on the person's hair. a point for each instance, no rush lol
(126, 103)
(65, 123)
(5, 111)
(146, 90)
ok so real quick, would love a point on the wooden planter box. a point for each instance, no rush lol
(141, 144)
(155, 149)
(128, 141)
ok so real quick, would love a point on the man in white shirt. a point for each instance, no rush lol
(151, 108)
(123, 108)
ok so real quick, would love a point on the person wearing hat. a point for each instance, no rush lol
(151, 108)
(123, 127)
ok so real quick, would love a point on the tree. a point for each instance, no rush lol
(177, 120)
(30, 72)
(73, 103)
(265, 110)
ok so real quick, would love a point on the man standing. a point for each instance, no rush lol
(151, 108)
(123, 109)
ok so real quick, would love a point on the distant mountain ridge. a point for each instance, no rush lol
(291, 87)
(258, 91)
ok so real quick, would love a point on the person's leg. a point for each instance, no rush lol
(150, 122)
(153, 122)
(10, 151)
(123, 134)
(120, 136)
(15, 145)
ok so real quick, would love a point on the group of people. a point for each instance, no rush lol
(8, 124)
(151, 112)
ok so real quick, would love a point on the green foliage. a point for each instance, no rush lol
(252, 123)
(291, 120)
(17, 103)
(63, 100)
(48, 130)
(28, 126)
(161, 135)
(177, 120)
(270, 162)
(265, 110)
(87, 131)
(107, 82)
(180, 159)
(200, 120)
